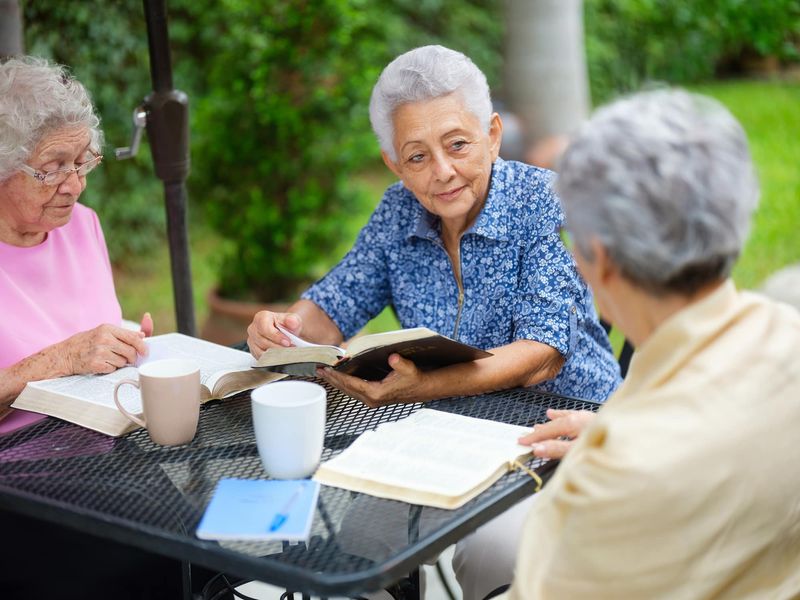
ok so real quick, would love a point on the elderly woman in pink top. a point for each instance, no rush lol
(60, 314)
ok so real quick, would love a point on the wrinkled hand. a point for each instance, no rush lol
(400, 386)
(262, 333)
(546, 439)
(101, 350)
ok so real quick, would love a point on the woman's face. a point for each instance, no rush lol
(30, 209)
(444, 157)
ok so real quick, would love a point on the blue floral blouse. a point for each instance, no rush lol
(519, 281)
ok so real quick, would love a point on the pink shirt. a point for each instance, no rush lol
(54, 290)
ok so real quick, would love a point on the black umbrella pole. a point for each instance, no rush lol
(168, 132)
(175, 194)
(155, 15)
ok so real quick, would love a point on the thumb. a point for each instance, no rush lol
(551, 448)
(402, 365)
(146, 325)
(293, 322)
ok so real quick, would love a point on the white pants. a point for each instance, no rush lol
(485, 559)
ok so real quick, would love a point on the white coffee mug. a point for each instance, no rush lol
(289, 424)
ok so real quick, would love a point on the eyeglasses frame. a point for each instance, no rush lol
(42, 176)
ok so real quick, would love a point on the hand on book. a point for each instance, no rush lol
(263, 333)
(402, 385)
(554, 438)
(103, 349)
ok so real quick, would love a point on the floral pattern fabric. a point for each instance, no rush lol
(519, 281)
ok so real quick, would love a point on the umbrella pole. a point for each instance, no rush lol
(168, 130)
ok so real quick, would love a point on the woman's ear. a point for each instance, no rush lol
(604, 268)
(495, 135)
(389, 163)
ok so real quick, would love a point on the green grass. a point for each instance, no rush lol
(769, 112)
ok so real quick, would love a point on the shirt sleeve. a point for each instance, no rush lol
(357, 288)
(549, 297)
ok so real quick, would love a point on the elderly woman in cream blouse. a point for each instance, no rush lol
(685, 483)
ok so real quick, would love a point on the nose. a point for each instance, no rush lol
(72, 185)
(443, 168)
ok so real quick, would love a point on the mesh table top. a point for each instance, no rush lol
(137, 492)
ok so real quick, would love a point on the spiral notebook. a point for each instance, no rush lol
(260, 509)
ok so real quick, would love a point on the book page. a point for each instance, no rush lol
(97, 389)
(301, 343)
(431, 451)
(231, 381)
(374, 340)
(326, 355)
(209, 356)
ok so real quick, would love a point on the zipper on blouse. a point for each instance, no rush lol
(458, 284)
(460, 306)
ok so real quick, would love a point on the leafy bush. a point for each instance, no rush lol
(277, 134)
(629, 42)
(284, 124)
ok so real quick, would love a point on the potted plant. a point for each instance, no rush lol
(282, 126)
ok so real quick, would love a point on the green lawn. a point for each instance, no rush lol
(769, 111)
(770, 114)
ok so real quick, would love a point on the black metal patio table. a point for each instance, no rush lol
(139, 493)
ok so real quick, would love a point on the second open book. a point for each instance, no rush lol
(367, 356)
(432, 458)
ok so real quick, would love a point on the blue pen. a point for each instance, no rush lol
(283, 515)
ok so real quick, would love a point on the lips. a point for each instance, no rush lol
(451, 194)
(62, 207)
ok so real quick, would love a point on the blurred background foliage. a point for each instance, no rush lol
(285, 169)
(631, 42)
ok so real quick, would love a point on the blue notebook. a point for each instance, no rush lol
(260, 509)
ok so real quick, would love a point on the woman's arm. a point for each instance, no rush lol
(521, 363)
(100, 350)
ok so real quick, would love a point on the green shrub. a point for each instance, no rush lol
(283, 125)
(630, 42)
(277, 134)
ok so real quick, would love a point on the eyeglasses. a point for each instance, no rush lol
(60, 176)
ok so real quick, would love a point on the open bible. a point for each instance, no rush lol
(367, 356)
(88, 400)
(432, 458)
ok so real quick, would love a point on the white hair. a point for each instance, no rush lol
(664, 180)
(36, 99)
(423, 74)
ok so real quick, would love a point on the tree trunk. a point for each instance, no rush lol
(546, 78)
(11, 41)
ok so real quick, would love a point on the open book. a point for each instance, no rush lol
(88, 400)
(432, 458)
(367, 356)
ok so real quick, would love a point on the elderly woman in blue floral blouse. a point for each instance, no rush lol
(465, 244)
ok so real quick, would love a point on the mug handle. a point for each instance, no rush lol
(121, 408)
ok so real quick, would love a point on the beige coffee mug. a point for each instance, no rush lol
(170, 391)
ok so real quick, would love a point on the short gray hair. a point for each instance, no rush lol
(664, 180)
(36, 99)
(423, 74)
